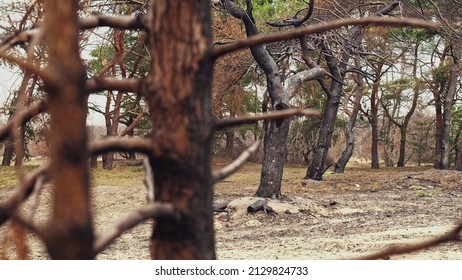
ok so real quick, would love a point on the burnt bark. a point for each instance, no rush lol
(317, 168)
(275, 141)
(349, 134)
(69, 234)
(178, 95)
(337, 69)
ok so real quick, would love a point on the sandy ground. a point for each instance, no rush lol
(345, 216)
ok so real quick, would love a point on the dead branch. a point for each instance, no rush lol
(23, 191)
(151, 211)
(109, 144)
(122, 22)
(453, 235)
(236, 164)
(133, 124)
(280, 114)
(24, 64)
(99, 84)
(321, 27)
(294, 21)
(22, 117)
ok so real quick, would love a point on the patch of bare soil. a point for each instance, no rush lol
(345, 216)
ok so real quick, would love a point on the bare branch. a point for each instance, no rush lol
(297, 80)
(23, 191)
(322, 27)
(24, 64)
(120, 21)
(153, 210)
(99, 84)
(141, 145)
(453, 235)
(18, 38)
(280, 114)
(22, 117)
(124, 22)
(236, 164)
(294, 21)
(133, 124)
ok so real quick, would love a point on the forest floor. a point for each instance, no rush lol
(344, 216)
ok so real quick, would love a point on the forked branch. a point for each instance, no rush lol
(222, 124)
(236, 164)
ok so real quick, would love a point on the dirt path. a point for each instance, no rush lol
(341, 217)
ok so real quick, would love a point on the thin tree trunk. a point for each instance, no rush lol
(316, 169)
(373, 120)
(437, 93)
(8, 152)
(349, 134)
(447, 113)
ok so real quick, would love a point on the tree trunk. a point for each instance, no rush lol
(69, 234)
(8, 152)
(447, 113)
(274, 156)
(108, 158)
(229, 140)
(373, 120)
(178, 94)
(438, 127)
(277, 133)
(94, 161)
(349, 134)
(316, 169)
(402, 147)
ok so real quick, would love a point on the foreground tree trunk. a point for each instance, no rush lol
(69, 234)
(178, 95)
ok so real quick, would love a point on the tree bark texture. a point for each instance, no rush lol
(275, 142)
(69, 234)
(316, 169)
(178, 94)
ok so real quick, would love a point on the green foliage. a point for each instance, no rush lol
(9, 177)
(274, 10)
(125, 173)
(441, 73)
